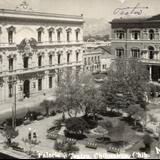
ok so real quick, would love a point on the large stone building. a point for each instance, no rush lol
(34, 48)
(97, 59)
(138, 38)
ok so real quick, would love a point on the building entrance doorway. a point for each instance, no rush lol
(26, 89)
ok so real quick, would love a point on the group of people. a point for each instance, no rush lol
(30, 134)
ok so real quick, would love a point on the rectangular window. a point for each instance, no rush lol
(50, 36)
(89, 61)
(10, 90)
(68, 58)
(59, 59)
(25, 62)
(135, 35)
(77, 57)
(92, 59)
(58, 36)
(68, 36)
(39, 36)
(10, 64)
(50, 60)
(98, 59)
(10, 37)
(85, 61)
(119, 52)
(50, 82)
(135, 53)
(39, 61)
(39, 84)
(120, 34)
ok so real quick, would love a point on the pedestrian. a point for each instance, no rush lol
(34, 134)
(30, 134)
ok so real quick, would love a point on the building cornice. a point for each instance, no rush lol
(34, 16)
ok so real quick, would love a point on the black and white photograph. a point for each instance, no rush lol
(79, 79)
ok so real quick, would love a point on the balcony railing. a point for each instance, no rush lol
(5, 45)
(151, 61)
(43, 43)
(38, 69)
(49, 43)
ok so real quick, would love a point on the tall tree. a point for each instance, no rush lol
(68, 93)
(126, 85)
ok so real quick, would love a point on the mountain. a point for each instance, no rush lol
(95, 26)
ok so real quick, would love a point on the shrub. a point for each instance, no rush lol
(77, 125)
(10, 133)
(32, 116)
(147, 140)
(8, 122)
(40, 117)
(74, 136)
(26, 122)
(58, 124)
(53, 113)
(66, 148)
(90, 122)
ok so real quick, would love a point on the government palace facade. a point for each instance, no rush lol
(35, 48)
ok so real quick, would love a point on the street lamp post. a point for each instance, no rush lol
(14, 109)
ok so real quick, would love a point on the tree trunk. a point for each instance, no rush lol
(69, 114)
(135, 123)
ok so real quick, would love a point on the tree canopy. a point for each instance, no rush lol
(126, 85)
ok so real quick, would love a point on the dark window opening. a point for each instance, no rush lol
(59, 59)
(50, 82)
(50, 60)
(39, 36)
(10, 37)
(50, 36)
(10, 90)
(39, 84)
(11, 64)
(25, 62)
(39, 61)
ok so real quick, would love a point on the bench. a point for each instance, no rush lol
(113, 149)
(91, 145)
(71, 141)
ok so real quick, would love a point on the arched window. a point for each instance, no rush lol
(11, 30)
(68, 31)
(151, 34)
(40, 31)
(50, 34)
(59, 32)
(119, 52)
(135, 34)
(77, 34)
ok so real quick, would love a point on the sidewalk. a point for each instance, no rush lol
(23, 106)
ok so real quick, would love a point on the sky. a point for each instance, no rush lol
(89, 8)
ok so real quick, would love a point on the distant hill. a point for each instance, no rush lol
(95, 26)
